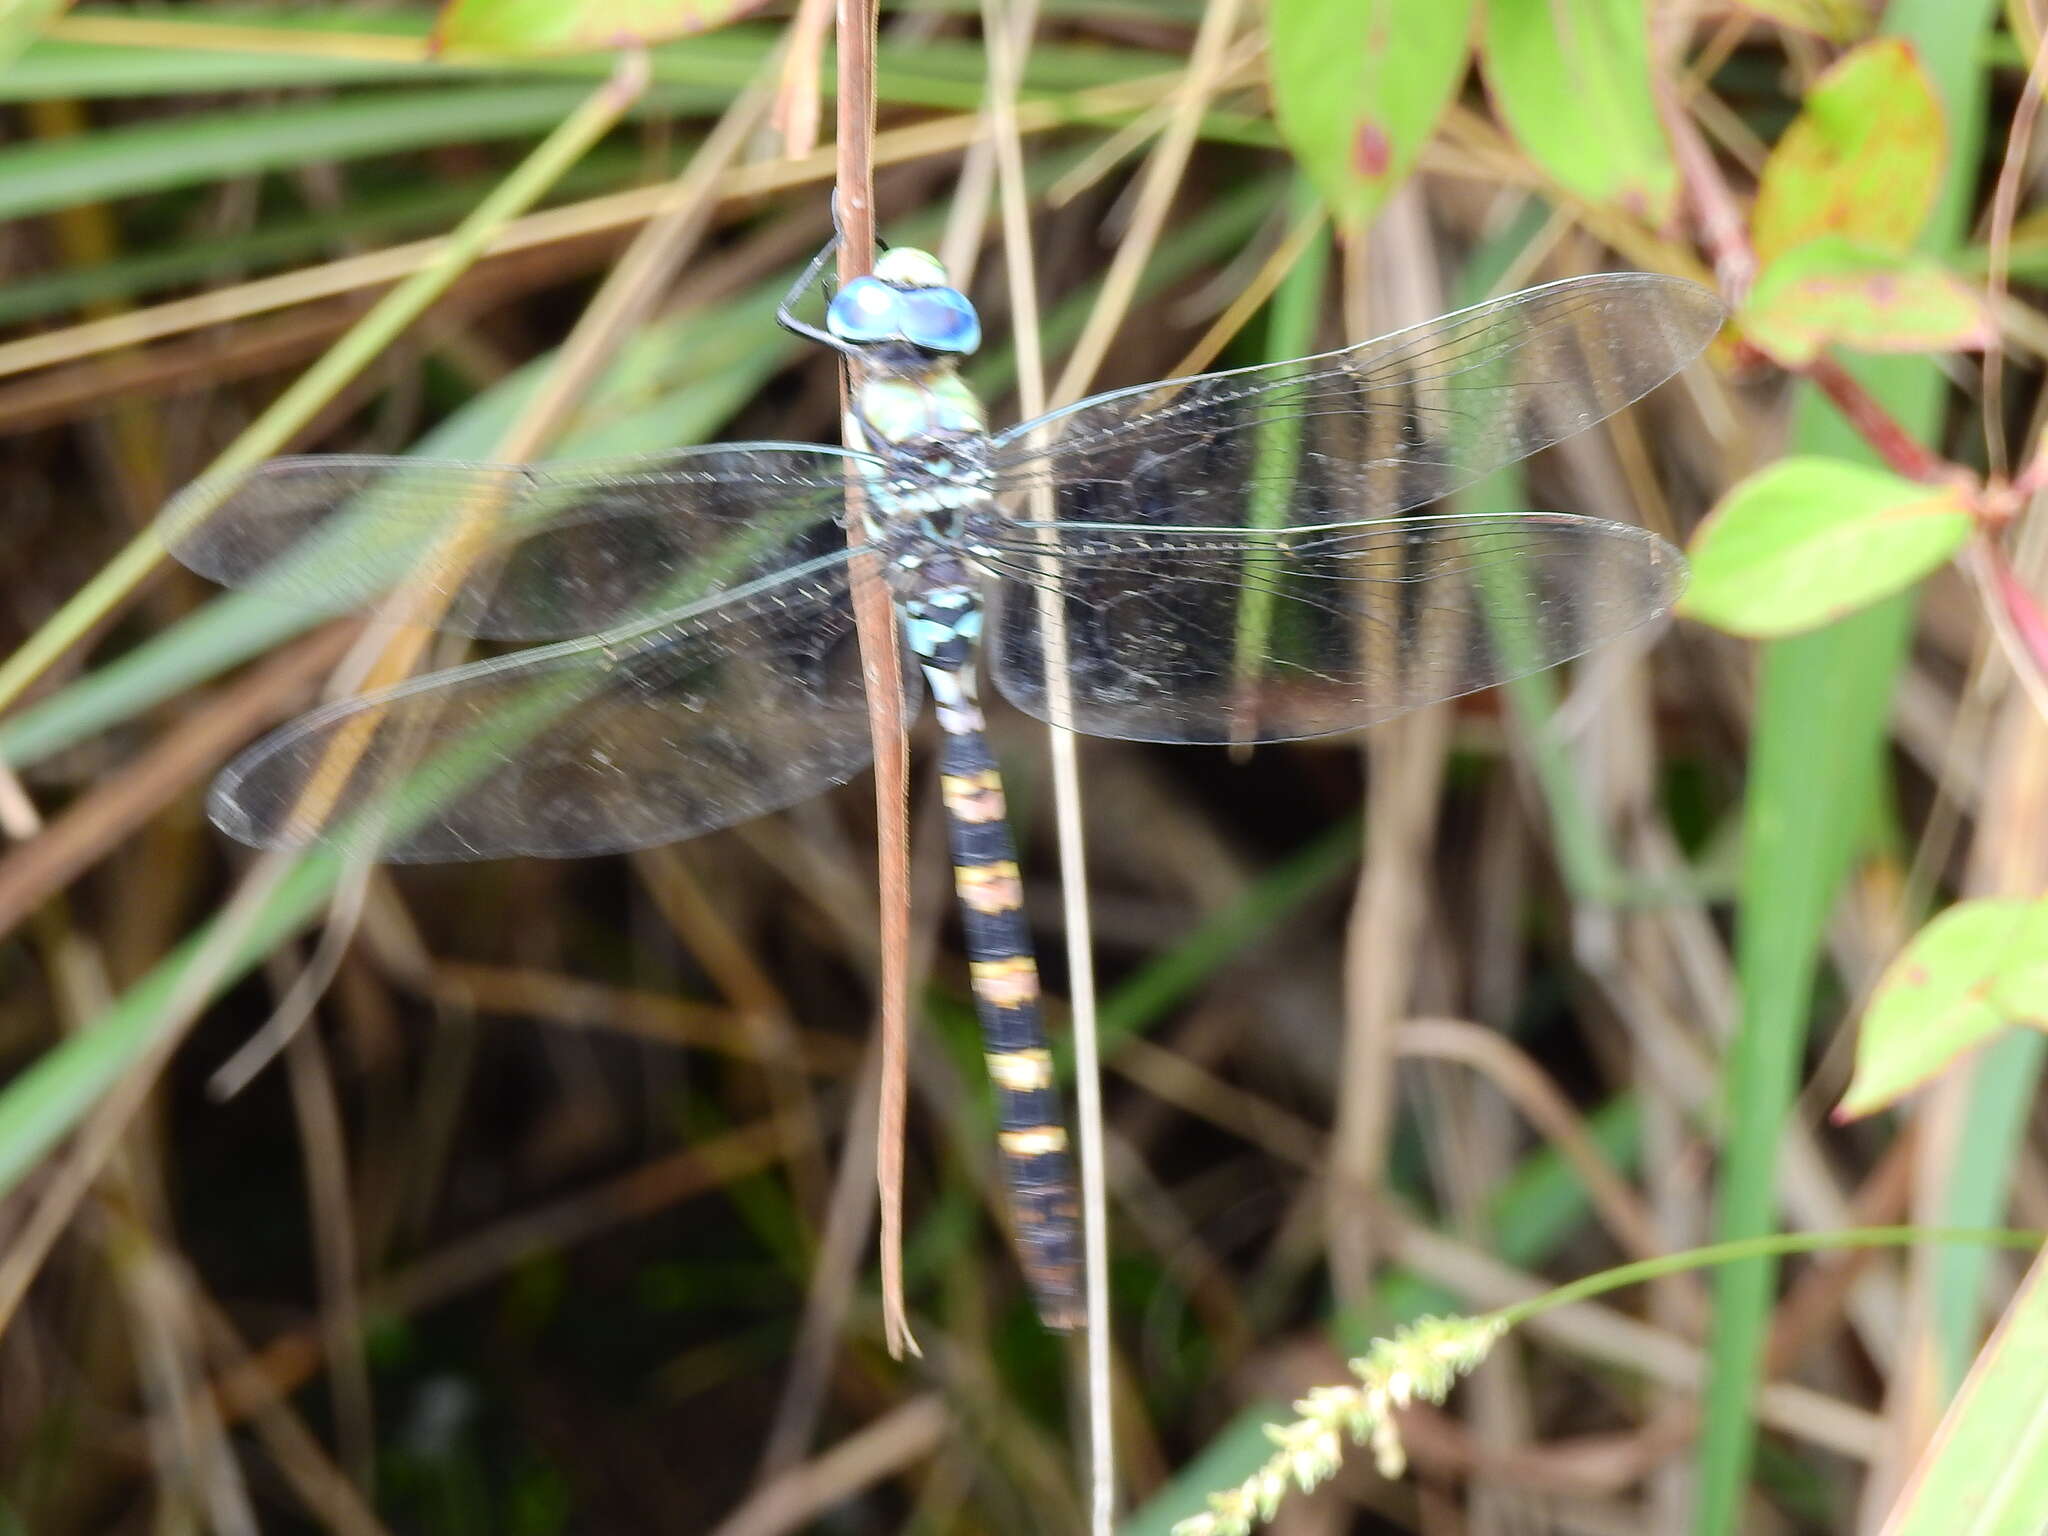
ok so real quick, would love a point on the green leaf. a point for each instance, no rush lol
(1986, 1473)
(1834, 290)
(1809, 540)
(1835, 20)
(1974, 971)
(1862, 159)
(1571, 79)
(1358, 86)
(527, 27)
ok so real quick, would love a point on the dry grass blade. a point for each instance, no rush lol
(592, 216)
(118, 805)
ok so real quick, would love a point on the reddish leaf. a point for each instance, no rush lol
(1833, 290)
(1862, 159)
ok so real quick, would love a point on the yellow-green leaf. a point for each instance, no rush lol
(1862, 159)
(22, 22)
(1977, 969)
(1833, 290)
(1571, 78)
(1358, 86)
(528, 27)
(1808, 540)
(1835, 20)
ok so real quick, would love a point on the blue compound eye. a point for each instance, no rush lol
(866, 309)
(940, 320)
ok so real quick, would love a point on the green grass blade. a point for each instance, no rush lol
(1815, 772)
(2003, 1081)
(948, 69)
(1276, 454)
(179, 152)
(1822, 706)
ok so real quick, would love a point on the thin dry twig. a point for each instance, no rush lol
(903, 1435)
(291, 1359)
(1510, 1070)
(2005, 197)
(881, 668)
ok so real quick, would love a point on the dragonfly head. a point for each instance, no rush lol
(906, 303)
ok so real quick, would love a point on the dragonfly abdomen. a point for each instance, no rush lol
(942, 627)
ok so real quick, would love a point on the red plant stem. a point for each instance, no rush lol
(1877, 425)
(2029, 623)
(1723, 233)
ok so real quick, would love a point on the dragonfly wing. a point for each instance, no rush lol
(626, 740)
(1362, 433)
(1237, 637)
(513, 551)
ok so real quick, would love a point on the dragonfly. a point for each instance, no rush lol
(1257, 555)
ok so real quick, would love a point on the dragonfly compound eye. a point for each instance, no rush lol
(866, 310)
(941, 320)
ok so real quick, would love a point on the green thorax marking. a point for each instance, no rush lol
(937, 403)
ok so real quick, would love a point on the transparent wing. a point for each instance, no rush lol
(643, 736)
(512, 551)
(1366, 432)
(1240, 636)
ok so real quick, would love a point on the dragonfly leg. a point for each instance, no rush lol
(785, 312)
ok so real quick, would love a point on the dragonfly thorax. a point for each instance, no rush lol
(930, 435)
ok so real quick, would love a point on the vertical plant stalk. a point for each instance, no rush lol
(1006, 38)
(313, 390)
(2005, 199)
(882, 671)
(1392, 269)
